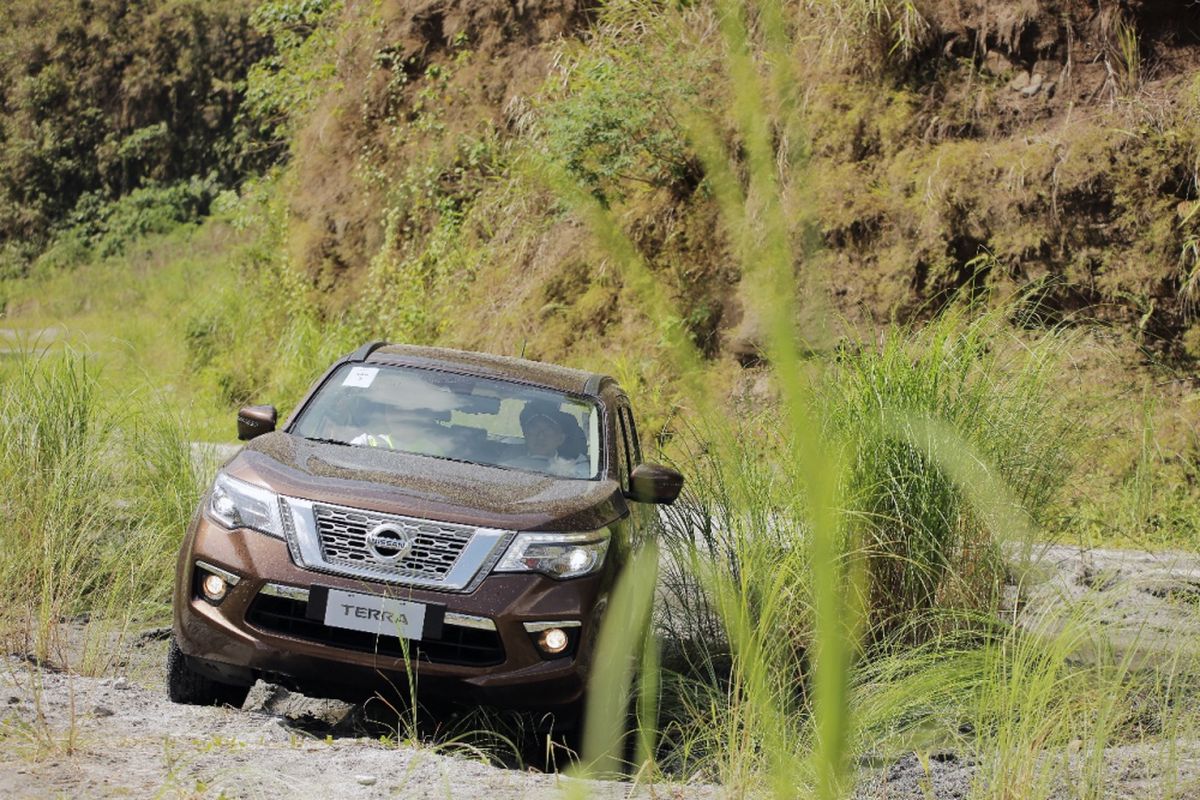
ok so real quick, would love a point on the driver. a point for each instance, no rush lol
(545, 431)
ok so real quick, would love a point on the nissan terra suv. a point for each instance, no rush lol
(455, 515)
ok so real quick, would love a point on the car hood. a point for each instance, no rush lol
(430, 488)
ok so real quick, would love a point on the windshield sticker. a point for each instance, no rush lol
(361, 377)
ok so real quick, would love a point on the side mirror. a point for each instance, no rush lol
(255, 421)
(654, 483)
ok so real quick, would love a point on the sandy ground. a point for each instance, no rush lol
(75, 736)
(64, 734)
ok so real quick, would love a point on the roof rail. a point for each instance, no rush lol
(361, 353)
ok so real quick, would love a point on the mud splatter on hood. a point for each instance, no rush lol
(400, 483)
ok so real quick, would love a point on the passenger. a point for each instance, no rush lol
(380, 422)
(398, 428)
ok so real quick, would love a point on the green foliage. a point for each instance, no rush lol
(281, 87)
(102, 98)
(737, 571)
(258, 333)
(872, 35)
(412, 286)
(926, 547)
(1127, 54)
(609, 114)
(611, 130)
(100, 228)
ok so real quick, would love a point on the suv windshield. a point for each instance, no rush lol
(460, 417)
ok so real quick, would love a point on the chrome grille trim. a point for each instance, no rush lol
(469, 621)
(452, 617)
(224, 574)
(538, 627)
(430, 549)
(478, 549)
(285, 591)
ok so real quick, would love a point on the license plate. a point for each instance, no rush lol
(369, 613)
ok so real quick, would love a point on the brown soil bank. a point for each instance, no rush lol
(1022, 142)
(959, 150)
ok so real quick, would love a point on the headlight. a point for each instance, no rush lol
(237, 504)
(559, 555)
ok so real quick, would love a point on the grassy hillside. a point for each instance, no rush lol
(1036, 158)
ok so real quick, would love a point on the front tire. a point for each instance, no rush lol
(185, 685)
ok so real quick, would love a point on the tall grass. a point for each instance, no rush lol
(841, 594)
(738, 544)
(96, 495)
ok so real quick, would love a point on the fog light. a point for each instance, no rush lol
(214, 587)
(553, 640)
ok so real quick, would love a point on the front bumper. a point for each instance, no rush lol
(260, 629)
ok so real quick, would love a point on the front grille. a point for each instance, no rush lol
(433, 548)
(457, 645)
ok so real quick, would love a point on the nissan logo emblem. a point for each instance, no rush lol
(388, 543)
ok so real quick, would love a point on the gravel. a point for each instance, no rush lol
(69, 735)
(78, 736)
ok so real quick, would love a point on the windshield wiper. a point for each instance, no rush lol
(325, 441)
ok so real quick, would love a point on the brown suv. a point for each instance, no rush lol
(459, 515)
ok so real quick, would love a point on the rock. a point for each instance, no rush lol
(102, 711)
(1088, 576)
(13, 699)
(296, 708)
(366, 780)
(260, 696)
(152, 635)
(996, 63)
(1169, 588)
(275, 729)
(1019, 82)
(1035, 84)
(121, 683)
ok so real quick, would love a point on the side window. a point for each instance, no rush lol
(622, 452)
(632, 447)
(628, 453)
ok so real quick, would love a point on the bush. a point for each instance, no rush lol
(609, 116)
(610, 131)
(97, 227)
(926, 543)
(923, 548)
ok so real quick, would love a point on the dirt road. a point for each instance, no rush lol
(64, 734)
(74, 736)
